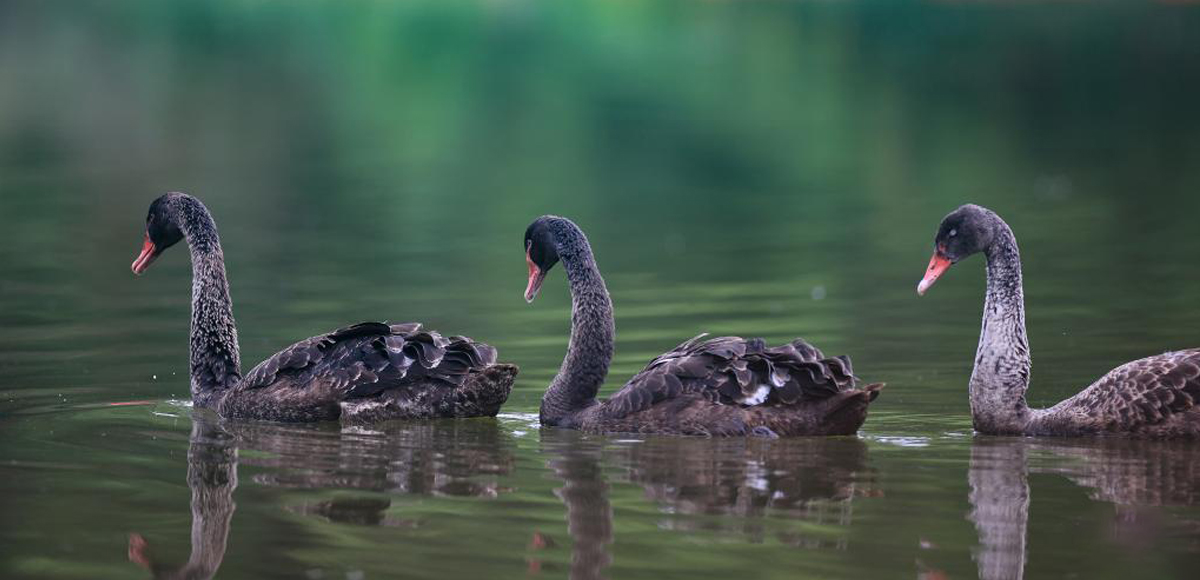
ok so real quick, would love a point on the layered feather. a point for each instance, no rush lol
(366, 358)
(1154, 395)
(370, 372)
(735, 371)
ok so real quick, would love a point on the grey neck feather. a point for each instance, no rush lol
(215, 361)
(590, 350)
(1002, 363)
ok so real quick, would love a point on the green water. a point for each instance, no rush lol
(757, 168)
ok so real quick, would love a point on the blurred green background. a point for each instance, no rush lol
(381, 160)
(764, 168)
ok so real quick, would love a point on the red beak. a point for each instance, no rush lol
(139, 550)
(938, 265)
(145, 258)
(536, 276)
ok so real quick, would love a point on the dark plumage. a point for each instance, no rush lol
(1153, 397)
(726, 386)
(366, 372)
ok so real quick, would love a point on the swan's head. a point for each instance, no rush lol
(965, 231)
(541, 252)
(162, 231)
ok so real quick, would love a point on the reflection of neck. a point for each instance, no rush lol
(215, 361)
(999, 499)
(590, 350)
(1002, 362)
(212, 477)
(589, 514)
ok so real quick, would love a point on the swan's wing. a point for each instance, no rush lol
(305, 355)
(366, 358)
(735, 371)
(1144, 392)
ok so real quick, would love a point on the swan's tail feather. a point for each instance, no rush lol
(486, 392)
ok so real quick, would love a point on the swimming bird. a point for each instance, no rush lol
(727, 386)
(366, 372)
(1152, 397)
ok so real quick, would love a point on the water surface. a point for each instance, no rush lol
(756, 168)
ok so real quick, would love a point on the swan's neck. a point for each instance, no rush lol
(215, 362)
(590, 350)
(1002, 363)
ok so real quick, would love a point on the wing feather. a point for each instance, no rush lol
(1139, 394)
(367, 358)
(735, 371)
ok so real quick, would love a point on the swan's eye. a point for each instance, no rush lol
(953, 233)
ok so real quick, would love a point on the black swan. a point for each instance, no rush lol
(1151, 397)
(366, 372)
(727, 386)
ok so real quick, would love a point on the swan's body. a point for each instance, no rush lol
(723, 387)
(365, 372)
(727, 386)
(1153, 397)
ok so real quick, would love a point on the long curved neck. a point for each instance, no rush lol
(590, 350)
(1002, 363)
(215, 361)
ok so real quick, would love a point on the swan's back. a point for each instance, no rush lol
(733, 385)
(368, 363)
(1157, 396)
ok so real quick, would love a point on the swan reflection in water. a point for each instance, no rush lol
(212, 476)
(814, 479)
(1137, 476)
(441, 458)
